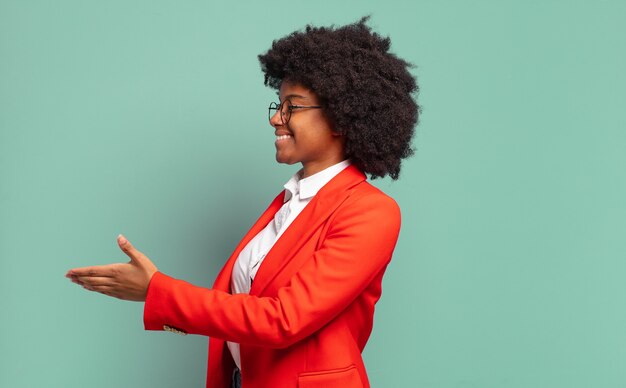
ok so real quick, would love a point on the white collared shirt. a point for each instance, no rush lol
(298, 193)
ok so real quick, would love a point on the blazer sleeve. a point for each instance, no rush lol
(358, 246)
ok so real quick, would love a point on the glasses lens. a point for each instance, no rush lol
(284, 108)
(272, 110)
(285, 112)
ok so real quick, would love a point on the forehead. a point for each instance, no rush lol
(295, 91)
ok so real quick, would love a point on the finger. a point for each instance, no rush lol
(108, 270)
(109, 292)
(74, 279)
(96, 280)
(129, 249)
(101, 289)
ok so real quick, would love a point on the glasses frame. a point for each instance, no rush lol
(290, 108)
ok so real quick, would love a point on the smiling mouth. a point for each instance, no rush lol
(283, 137)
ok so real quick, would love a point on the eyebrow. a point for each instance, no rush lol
(294, 96)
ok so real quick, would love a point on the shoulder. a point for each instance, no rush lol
(370, 204)
(367, 195)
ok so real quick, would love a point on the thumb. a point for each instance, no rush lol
(129, 249)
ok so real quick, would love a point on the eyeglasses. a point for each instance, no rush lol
(286, 108)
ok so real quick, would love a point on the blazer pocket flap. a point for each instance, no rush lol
(332, 378)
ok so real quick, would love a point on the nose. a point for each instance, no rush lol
(276, 119)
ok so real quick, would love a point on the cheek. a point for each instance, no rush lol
(315, 132)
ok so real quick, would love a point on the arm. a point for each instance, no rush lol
(357, 248)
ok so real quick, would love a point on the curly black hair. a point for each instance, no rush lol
(366, 91)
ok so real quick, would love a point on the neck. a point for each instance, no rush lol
(312, 168)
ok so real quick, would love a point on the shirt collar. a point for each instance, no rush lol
(310, 185)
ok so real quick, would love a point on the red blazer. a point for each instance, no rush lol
(310, 311)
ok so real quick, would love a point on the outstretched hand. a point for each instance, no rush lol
(128, 281)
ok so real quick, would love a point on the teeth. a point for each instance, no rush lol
(282, 137)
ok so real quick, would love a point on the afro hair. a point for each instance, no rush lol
(366, 91)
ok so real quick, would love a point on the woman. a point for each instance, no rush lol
(293, 306)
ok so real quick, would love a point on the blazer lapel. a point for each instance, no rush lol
(222, 281)
(306, 223)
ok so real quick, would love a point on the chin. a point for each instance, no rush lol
(284, 160)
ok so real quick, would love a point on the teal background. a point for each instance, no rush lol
(148, 118)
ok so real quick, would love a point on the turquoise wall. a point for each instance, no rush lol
(148, 118)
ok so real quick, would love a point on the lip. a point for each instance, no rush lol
(282, 133)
